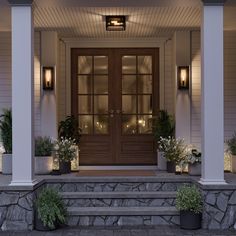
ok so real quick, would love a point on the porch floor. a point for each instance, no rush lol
(5, 180)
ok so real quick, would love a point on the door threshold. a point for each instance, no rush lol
(118, 167)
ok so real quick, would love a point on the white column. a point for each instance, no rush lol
(212, 101)
(22, 92)
(49, 49)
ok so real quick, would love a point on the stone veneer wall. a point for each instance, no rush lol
(219, 208)
(16, 207)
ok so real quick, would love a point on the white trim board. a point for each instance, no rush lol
(117, 167)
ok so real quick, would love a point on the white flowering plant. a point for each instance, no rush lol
(173, 149)
(66, 149)
(2, 149)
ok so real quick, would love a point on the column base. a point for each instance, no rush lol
(212, 181)
(23, 183)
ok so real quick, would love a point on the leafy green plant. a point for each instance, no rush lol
(173, 149)
(232, 144)
(66, 149)
(51, 208)
(163, 125)
(189, 199)
(43, 146)
(6, 130)
(69, 128)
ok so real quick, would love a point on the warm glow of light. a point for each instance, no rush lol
(183, 76)
(48, 77)
(115, 22)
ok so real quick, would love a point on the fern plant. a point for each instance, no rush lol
(6, 130)
(50, 207)
(163, 125)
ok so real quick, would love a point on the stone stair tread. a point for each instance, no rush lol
(122, 211)
(156, 195)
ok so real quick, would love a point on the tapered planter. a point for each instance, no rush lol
(234, 163)
(190, 220)
(65, 167)
(171, 167)
(161, 161)
(194, 169)
(43, 165)
(7, 164)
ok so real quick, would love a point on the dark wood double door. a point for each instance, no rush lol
(115, 94)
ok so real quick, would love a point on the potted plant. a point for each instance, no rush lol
(232, 149)
(163, 127)
(43, 155)
(189, 203)
(50, 210)
(66, 150)
(6, 136)
(173, 151)
(69, 128)
(194, 162)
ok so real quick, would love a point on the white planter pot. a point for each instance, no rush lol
(43, 165)
(194, 169)
(7, 164)
(234, 163)
(161, 161)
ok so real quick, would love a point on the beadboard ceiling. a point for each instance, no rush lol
(149, 18)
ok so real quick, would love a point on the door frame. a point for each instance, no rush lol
(113, 73)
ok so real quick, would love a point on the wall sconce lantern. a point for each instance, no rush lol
(115, 23)
(183, 77)
(48, 78)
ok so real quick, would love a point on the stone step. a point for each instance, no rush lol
(118, 195)
(118, 186)
(122, 216)
(122, 211)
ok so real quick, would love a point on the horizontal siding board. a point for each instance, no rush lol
(5, 75)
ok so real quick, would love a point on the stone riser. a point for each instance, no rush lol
(119, 202)
(115, 187)
(122, 220)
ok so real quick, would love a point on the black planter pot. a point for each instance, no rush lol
(170, 167)
(38, 224)
(65, 167)
(190, 220)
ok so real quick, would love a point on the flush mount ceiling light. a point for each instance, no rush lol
(115, 23)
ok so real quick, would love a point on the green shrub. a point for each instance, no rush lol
(50, 207)
(69, 128)
(232, 144)
(6, 130)
(163, 125)
(43, 146)
(189, 199)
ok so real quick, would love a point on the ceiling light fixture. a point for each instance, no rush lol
(115, 23)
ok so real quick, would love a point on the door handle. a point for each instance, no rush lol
(118, 111)
(111, 113)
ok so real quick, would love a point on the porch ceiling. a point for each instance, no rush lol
(149, 18)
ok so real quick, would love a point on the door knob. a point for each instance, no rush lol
(118, 111)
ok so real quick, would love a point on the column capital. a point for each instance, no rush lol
(214, 2)
(21, 2)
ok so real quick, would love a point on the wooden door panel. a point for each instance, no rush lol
(131, 80)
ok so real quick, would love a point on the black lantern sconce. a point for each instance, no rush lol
(115, 23)
(48, 78)
(183, 77)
